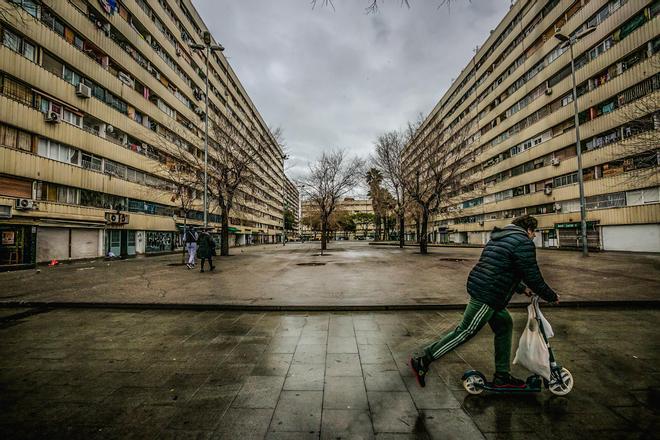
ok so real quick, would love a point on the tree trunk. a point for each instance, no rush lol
(423, 237)
(377, 230)
(224, 233)
(324, 235)
(185, 230)
(402, 225)
(417, 229)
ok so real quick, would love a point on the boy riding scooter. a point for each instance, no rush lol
(507, 265)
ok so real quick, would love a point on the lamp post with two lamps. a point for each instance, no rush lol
(569, 41)
(209, 47)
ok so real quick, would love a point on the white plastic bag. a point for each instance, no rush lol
(532, 352)
(547, 328)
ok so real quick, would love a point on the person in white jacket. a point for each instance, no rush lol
(190, 238)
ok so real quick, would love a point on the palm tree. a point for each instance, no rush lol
(374, 180)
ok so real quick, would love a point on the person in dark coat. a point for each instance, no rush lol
(507, 266)
(205, 249)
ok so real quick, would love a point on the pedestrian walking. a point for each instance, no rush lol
(507, 265)
(205, 249)
(190, 238)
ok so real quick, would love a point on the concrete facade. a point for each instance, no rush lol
(94, 104)
(508, 121)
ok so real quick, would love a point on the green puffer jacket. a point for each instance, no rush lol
(507, 265)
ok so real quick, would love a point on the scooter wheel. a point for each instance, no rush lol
(474, 384)
(565, 386)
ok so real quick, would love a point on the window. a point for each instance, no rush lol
(56, 151)
(72, 118)
(17, 91)
(51, 64)
(565, 180)
(20, 45)
(613, 200)
(643, 196)
(11, 40)
(78, 42)
(29, 6)
(115, 169)
(91, 162)
(68, 195)
(13, 138)
(71, 76)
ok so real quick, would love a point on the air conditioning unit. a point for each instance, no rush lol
(52, 117)
(555, 161)
(547, 190)
(199, 110)
(117, 218)
(106, 29)
(24, 204)
(158, 75)
(83, 91)
(548, 91)
(109, 128)
(178, 51)
(557, 206)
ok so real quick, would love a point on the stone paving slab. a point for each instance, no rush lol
(106, 374)
(353, 274)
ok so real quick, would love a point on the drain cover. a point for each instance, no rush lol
(311, 264)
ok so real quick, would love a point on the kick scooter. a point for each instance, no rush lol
(560, 383)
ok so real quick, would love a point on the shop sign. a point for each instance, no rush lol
(8, 237)
(574, 225)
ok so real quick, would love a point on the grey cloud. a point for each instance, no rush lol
(339, 78)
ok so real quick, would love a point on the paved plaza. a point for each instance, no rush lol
(351, 274)
(198, 375)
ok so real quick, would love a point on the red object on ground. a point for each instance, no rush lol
(53, 263)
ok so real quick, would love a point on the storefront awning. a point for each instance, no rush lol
(233, 230)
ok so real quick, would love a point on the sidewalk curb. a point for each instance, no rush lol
(308, 308)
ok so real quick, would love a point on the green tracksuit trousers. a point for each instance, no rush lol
(476, 315)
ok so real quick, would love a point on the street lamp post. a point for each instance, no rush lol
(284, 157)
(300, 188)
(570, 41)
(208, 47)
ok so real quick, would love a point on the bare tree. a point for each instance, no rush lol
(10, 12)
(373, 6)
(181, 171)
(641, 130)
(388, 159)
(231, 173)
(328, 180)
(434, 175)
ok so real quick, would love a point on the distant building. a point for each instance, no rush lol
(513, 106)
(292, 203)
(349, 205)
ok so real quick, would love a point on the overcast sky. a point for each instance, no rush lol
(338, 78)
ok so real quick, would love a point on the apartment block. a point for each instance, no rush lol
(510, 115)
(96, 99)
(292, 202)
